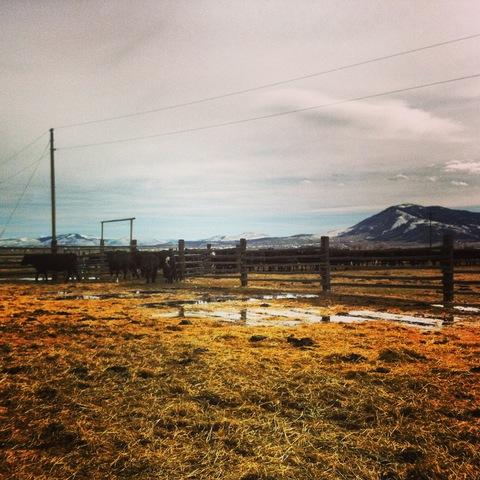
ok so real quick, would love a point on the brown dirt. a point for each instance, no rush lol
(95, 384)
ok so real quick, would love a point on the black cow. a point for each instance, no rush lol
(121, 261)
(52, 262)
(149, 263)
(170, 269)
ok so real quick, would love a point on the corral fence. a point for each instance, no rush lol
(452, 275)
(449, 273)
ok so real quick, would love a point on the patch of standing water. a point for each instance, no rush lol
(285, 296)
(266, 316)
(209, 299)
(293, 317)
(461, 308)
(395, 317)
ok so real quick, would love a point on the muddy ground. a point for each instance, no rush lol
(205, 379)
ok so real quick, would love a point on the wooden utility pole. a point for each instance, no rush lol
(325, 272)
(181, 260)
(243, 262)
(52, 193)
(430, 230)
(448, 269)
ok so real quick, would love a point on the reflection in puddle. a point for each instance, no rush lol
(209, 299)
(204, 299)
(263, 314)
(107, 296)
(461, 308)
(395, 317)
(293, 317)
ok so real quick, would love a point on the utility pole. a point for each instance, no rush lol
(52, 193)
(430, 229)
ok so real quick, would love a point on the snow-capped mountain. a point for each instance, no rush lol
(236, 238)
(401, 224)
(77, 240)
(416, 224)
(72, 239)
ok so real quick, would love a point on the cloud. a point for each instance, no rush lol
(465, 166)
(459, 184)
(381, 118)
(399, 176)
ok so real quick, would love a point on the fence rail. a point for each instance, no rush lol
(451, 273)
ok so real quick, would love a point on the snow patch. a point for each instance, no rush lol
(236, 238)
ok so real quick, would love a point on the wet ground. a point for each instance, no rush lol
(267, 309)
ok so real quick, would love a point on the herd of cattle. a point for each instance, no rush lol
(137, 264)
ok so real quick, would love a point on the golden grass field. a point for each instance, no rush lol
(116, 381)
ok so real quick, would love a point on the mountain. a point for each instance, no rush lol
(407, 225)
(255, 240)
(71, 239)
(79, 240)
(415, 224)
(235, 238)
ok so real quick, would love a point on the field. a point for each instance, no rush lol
(135, 381)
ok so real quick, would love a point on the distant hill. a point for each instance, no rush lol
(414, 224)
(400, 225)
(77, 240)
(255, 240)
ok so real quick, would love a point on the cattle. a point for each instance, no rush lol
(121, 262)
(52, 262)
(149, 263)
(170, 269)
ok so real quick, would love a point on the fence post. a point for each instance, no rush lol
(133, 245)
(102, 265)
(325, 264)
(448, 269)
(243, 262)
(208, 259)
(181, 259)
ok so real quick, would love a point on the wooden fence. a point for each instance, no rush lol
(451, 273)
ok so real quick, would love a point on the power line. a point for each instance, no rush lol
(24, 190)
(274, 84)
(272, 115)
(20, 171)
(22, 150)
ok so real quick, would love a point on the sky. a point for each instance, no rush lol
(219, 117)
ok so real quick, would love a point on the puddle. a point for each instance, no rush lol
(200, 301)
(285, 295)
(263, 314)
(203, 300)
(208, 299)
(461, 308)
(106, 296)
(294, 317)
(404, 319)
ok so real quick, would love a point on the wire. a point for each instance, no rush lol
(22, 150)
(23, 192)
(289, 112)
(283, 82)
(20, 171)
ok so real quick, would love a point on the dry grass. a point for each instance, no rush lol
(101, 388)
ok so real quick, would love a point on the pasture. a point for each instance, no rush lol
(128, 381)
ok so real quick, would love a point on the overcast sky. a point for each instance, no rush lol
(221, 117)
